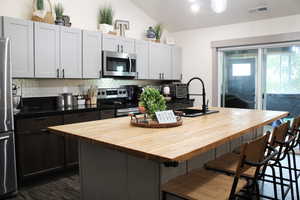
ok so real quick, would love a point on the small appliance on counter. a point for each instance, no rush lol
(65, 100)
(179, 90)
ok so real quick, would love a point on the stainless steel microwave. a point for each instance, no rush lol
(118, 64)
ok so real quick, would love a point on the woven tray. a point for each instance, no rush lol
(149, 123)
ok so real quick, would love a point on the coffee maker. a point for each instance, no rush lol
(134, 93)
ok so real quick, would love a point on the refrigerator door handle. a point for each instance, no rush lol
(4, 138)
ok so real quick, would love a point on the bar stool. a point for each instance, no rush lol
(211, 185)
(228, 162)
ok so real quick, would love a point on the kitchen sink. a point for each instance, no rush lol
(195, 112)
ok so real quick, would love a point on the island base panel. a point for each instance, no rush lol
(110, 174)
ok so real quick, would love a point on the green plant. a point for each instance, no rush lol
(106, 15)
(152, 101)
(40, 4)
(59, 10)
(158, 31)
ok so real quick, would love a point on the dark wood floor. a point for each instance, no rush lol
(58, 188)
(67, 187)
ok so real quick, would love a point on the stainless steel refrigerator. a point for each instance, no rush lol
(8, 180)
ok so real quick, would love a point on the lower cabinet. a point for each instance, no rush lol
(107, 114)
(40, 152)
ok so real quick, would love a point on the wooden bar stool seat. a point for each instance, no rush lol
(228, 163)
(203, 184)
(212, 185)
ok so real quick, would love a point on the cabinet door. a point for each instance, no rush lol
(176, 63)
(110, 43)
(142, 62)
(33, 142)
(160, 61)
(91, 60)
(70, 52)
(46, 50)
(127, 45)
(21, 34)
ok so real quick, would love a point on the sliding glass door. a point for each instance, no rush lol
(239, 78)
(262, 77)
(282, 79)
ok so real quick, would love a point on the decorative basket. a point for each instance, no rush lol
(48, 18)
(143, 122)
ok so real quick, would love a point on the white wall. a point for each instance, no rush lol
(84, 13)
(196, 44)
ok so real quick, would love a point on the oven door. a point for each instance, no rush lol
(119, 64)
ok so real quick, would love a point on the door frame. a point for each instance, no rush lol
(260, 83)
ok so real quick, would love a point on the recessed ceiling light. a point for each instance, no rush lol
(218, 6)
(191, 1)
(195, 7)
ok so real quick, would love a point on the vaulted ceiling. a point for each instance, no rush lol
(176, 15)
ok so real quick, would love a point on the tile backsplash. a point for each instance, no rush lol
(52, 87)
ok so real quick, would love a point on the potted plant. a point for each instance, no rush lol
(105, 19)
(40, 4)
(152, 101)
(59, 11)
(158, 32)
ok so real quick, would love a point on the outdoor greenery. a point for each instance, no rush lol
(283, 73)
(158, 31)
(59, 10)
(153, 101)
(106, 15)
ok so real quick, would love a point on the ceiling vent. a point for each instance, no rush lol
(259, 9)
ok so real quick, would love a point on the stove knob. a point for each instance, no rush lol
(103, 93)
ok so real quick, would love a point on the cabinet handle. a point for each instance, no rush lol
(122, 48)
(63, 73)
(159, 75)
(57, 73)
(181, 76)
(118, 48)
(100, 73)
(137, 75)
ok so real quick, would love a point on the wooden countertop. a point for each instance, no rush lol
(195, 136)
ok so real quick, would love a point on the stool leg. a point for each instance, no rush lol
(296, 174)
(291, 176)
(281, 180)
(274, 182)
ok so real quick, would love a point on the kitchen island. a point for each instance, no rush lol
(122, 162)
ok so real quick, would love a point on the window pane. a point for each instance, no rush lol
(241, 69)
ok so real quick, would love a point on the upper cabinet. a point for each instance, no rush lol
(91, 54)
(57, 51)
(142, 62)
(160, 61)
(176, 63)
(70, 52)
(46, 54)
(20, 33)
(118, 44)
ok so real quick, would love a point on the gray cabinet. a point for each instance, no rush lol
(160, 61)
(91, 54)
(118, 44)
(70, 52)
(21, 34)
(46, 50)
(176, 63)
(142, 62)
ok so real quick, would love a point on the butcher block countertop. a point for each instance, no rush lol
(195, 136)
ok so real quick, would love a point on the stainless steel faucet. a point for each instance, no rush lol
(204, 106)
